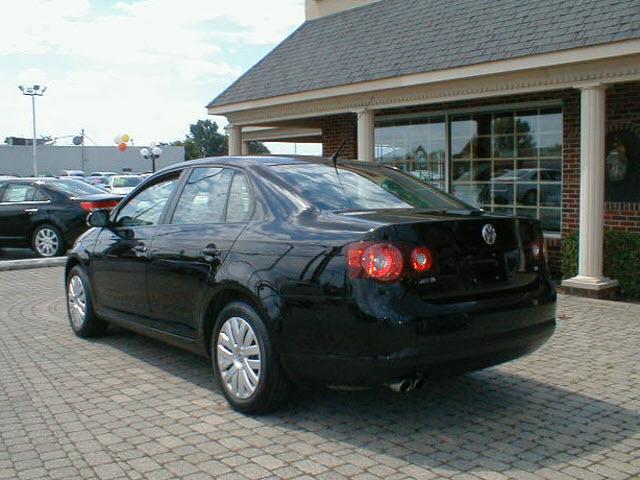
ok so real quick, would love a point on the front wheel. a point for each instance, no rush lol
(244, 361)
(47, 241)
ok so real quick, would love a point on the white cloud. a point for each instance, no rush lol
(144, 67)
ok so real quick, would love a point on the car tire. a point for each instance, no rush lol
(245, 362)
(82, 316)
(47, 241)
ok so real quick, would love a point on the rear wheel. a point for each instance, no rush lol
(244, 361)
(82, 317)
(47, 241)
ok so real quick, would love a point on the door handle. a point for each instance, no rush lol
(31, 210)
(140, 248)
(211, 251)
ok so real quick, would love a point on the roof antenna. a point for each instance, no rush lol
(334, 157)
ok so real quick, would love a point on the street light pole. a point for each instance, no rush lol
(35, 153)
(153, 152)
(32, 91)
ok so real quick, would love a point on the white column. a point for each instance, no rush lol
(235, 140)
(592, 163)
(245, 148)
(366, 136)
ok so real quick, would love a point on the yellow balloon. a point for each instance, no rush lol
(125, 138)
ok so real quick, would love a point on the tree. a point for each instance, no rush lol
(204, 140)
(258, 148)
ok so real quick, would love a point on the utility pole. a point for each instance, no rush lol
(82, 152)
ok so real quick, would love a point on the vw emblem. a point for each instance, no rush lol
(489, 234)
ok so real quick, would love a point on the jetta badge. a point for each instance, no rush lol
(489, 234)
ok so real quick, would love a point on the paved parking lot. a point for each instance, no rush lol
(127, 407)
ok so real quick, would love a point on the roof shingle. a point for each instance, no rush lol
(399, 37)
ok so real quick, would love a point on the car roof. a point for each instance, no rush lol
(41, 179)
(265, 161)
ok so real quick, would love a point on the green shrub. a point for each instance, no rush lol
(621, 260)
(570, 256)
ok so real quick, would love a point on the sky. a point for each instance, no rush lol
(146, 68)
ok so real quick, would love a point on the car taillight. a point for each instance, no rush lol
(421, 259)
(537, 249)
(98, 205)
(377, 260)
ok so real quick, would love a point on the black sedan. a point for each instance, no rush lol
(285, 270)
(47, 214)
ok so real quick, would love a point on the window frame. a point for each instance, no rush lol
(36, 187)
(187, 174)
(179, 176)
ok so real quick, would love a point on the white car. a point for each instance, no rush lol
(123, 184)
(103, 174)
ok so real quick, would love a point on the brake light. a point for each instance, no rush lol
(421, 259)
(537, 249)
(376, 260)
(98, 205)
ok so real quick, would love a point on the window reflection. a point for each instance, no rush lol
(416, 146)
(504, 161)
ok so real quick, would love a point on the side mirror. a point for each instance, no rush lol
(98, 218)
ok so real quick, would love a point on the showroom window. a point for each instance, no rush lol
(507, 161)
(415, 146)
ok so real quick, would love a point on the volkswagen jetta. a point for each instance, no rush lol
(286, 270)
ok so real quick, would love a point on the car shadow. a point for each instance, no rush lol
(488, 420)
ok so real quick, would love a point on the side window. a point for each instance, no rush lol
(40, 196)
(18, 192)
(239, 206)
(204, 196)
(147, 206)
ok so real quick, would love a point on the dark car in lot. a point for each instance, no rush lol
(47, 214)
(286, 270)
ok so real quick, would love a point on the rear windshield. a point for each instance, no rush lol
(366, 187)
(74, 187)
(126, 182)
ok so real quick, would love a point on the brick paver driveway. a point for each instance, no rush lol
(124, 406)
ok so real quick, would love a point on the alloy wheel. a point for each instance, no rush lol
(77, 300)
(47, 242)
(238, 357)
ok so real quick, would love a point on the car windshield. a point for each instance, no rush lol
(362, 187)
(126, 182)
(75, 187)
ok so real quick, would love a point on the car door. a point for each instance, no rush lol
(17, 207)
(120, 257)
(188, 252)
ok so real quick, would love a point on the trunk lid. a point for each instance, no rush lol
(467, 262)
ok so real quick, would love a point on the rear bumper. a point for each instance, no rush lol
(471, 342)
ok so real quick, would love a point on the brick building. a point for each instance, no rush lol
(528, 107)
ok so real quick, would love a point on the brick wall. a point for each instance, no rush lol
(623, 104)
(335, 130)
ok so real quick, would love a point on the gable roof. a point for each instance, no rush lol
(399, 37)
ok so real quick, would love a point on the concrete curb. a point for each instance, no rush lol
(31, 263)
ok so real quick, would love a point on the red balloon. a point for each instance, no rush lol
(122, 146)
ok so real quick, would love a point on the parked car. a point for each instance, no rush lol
(288, 270)
(503, 188)
(97, 181)
(71, 173)
(103, 174)
(47, 215)
(123, 184)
